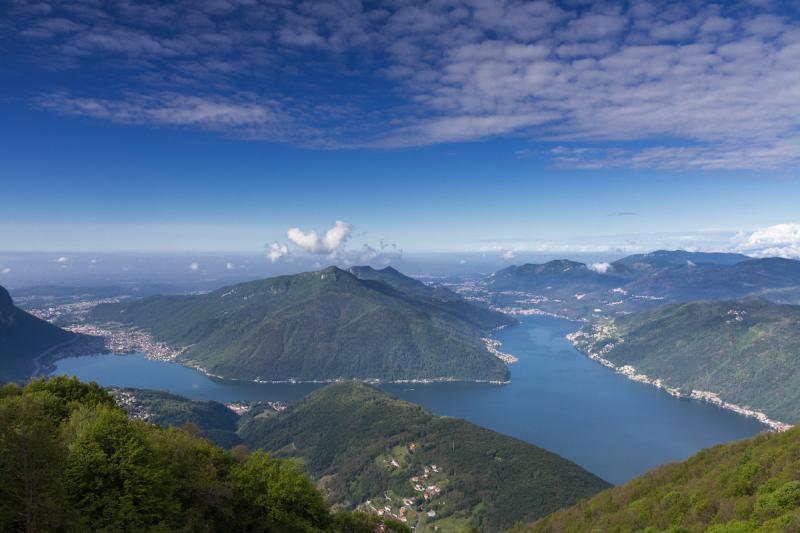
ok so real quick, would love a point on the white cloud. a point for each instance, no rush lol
(508, 254)
(689, 81)
(780, 240)
(329, 243)
(6, 270)
(230, 266)
(194, 267)
(62, 259)
(600, 268)
(276, 251)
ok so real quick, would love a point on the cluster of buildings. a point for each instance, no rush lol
(128, 401)
(493, 345)
(599, 339)
(123, 340)
(426, 485)
(70, 312)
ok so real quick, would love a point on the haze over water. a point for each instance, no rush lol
(558, 399)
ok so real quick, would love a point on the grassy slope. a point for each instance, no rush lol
(750, 485)
(341, 431)
(753, 361)
(316, 325)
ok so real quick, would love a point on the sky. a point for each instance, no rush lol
(346, 131)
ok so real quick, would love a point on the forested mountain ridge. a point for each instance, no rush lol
(322, 325)
(71, 460)
(747, 352)
(25, 340)
(579, 291)
(747, 486)
(364, 446)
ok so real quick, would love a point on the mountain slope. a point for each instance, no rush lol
(348, 434)
(319, 326)
(441, 297)
(213, 420)
(750, 485)
(747, 352)
(71, 460)
(23, 338)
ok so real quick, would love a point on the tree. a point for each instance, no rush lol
(276, 495)
(31, 460)
(112, 476)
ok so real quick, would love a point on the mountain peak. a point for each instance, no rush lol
(5, 299)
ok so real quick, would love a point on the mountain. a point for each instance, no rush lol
(321, 325)
(444, 299)
(26, 341)
(562, 274)
(747, 352)
(362, 445)
(213, 420)
(668, 258)
(750, 485)
(642, 281)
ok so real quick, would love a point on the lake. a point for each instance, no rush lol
(557, 399)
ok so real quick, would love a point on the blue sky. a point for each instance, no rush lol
(496, 126)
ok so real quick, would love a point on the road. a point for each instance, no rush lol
(37, 367)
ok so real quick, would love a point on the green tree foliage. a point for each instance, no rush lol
(70, 460)
(747, 486)
(344, 432)
(321, 325)
(745, 351)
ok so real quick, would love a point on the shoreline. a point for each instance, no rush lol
(371, 381)
(581, 341)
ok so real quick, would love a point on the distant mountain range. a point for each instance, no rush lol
(324, 325)
(578, 290)
(750, 485)
(747, 352)
(26, 342)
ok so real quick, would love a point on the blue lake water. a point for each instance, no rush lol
(558, 399)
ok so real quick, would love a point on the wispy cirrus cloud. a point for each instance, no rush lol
(648, 85)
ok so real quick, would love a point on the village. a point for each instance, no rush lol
(428, 484)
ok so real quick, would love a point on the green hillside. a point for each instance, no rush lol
(747, 352)
(213, 420)
(747, 486)
(27, 341)
(71, 460)
(362, 444)
(318, 326)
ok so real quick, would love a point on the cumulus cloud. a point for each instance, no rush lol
(384, 253)
(6, 270)
(327, 243)
(508, 254)
(780, 240)
(276, 251)
(62, 259)
(600, 268)
(194, 267)
(230, 266)
(333, 244)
